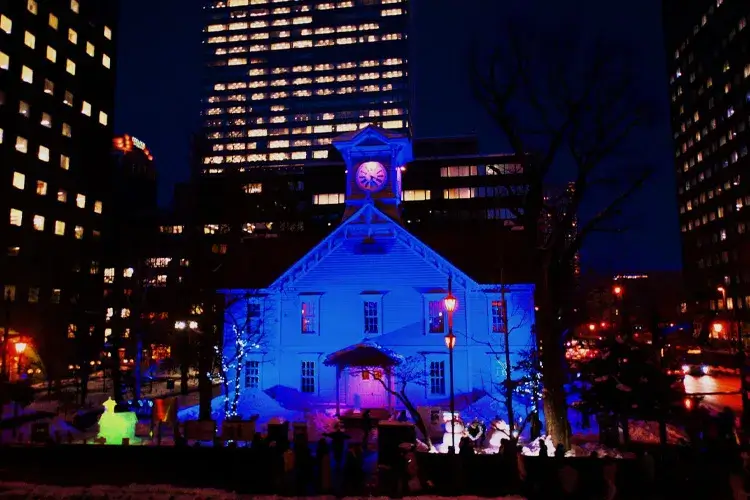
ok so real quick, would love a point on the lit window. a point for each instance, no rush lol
(43, 153)
(98, 207)
(6, 24)
(81, 201)
(32, 6)
(103, 118)
(64, 162)
(62, 195)
(16, 217)
(90, 49)
(415, 195)
(41, 188)
(79, 232)
(39, 222)
(24, 108)
(53, 21)
(74, 6)
(70, 67)
(46, 120)
(66, 130)
(107, 33)
(49, 87)
(27, 74)
(51, 54)
(29, 39)
(4, 61)
(106, 61)
(22, 145)
(86, 108)
(72, 36)
(19, 180)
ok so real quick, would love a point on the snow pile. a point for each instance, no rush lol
(648, 432)
(319, 423)
(162, 492)
(532, 449)
(587, 449)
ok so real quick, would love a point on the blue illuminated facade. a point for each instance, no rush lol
(371, 281)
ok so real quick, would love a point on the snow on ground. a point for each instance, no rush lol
(165, 492)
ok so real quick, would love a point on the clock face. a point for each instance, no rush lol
(371, 176)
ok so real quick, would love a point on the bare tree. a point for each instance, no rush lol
(519, 318)
(569, 108)
(245, 334)
(409, 372)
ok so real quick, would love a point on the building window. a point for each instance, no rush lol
(32, 7)
(307, 382)
(41, 188)
(4, 61)
(64, 162)
(468, 171)
(19, 180)
(372, 316)
(27, 74)
(98, 207)
(72, 36)
(9, 293)
(6, 24)
(43, 154)
(254, 188)
(49, 87)
(435, 317)
(252, 374)
(308, 316)
(39, 222)
(53, 21)
(109, 275)
(62, 195)
(81, 201)
(55, 297)
(497, 308)
(29, 40)
(24, 108)
(22, 145)
(107, 33)
(86, 108)
(74, 6)
(33, 295)
(329, 199)
(437, 378)
(254, 317)
(66, 130)
(415, 195)
(46, 120)
(106, 61)
(90, 50)
(51, 54)
(103, 118)
(79, 232)
(16, 217)
(59, 228)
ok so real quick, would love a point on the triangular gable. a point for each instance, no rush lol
(362, 217)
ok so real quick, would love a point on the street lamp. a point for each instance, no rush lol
(20, 348)
(450, 302)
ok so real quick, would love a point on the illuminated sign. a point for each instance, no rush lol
(126, 143)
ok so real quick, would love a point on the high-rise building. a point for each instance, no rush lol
(284, 77)
(56, 106)
(708, 54)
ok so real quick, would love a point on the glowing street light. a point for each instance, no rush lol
(617, 290)
(450, 302)
(20, 347)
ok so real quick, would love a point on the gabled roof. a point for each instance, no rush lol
(366, 133)
(368, 221)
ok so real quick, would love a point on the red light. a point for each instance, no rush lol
(592, 327)
(618, 290)
(688, 404)
(604, 324)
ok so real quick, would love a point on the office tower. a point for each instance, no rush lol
(708, 54)
(56, 106)
(284, 77)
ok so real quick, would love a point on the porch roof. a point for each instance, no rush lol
(361, 355)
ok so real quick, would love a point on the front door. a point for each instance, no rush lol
(365, 389)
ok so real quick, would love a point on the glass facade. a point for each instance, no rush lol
(285, 77)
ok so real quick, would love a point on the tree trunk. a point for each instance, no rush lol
(184, 369)
(418, 421)
(552, 358)
(84, 387)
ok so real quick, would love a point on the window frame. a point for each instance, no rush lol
(377, 299)
(428, 370)
(314, 301)
(428, 299)
(309, 377)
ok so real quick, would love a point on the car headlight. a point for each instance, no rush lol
(705, 369)
(685, 369)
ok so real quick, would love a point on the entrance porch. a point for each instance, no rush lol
(363, 377)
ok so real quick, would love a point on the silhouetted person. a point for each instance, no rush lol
(466, 446)
(338, 439)
(543, 451)
(323, 460)
(560, 451)
(402, 416)
(367, 425)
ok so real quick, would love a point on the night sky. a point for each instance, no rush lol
(159, 85)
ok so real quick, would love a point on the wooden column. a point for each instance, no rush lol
(390, 388)
(338, 391)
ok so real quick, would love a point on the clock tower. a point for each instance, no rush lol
(373, 159)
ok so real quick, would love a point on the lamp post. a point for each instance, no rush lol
(450, 304)
(617, 292)
(20, 348)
